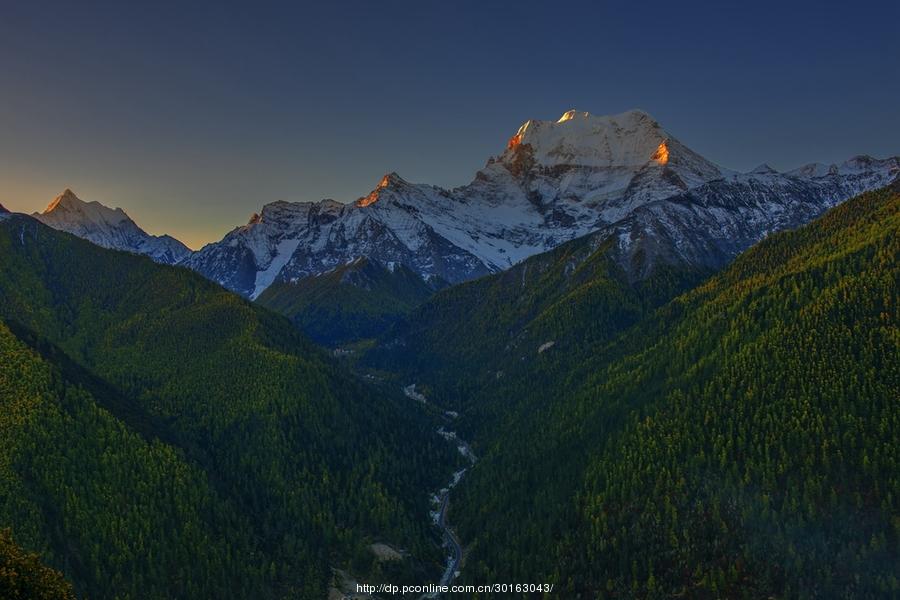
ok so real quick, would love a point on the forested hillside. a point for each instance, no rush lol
(491, 327)
(767, 458)
(358, 300)
(99, 499)
(24, 577)
(665, 437)
(741, 440)
(164, 437)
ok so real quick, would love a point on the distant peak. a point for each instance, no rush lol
(64, 200)
(629, 139)
(389, 179)
(3, 209)
(67, 207)
(69, 196)
(635, 113)
(764, 169)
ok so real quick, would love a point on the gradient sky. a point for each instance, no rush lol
(192, 118)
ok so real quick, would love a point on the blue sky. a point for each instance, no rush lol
(191, 118)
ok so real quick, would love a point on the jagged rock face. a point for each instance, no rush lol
(621, 175)
(110, 228)
(708, 226)
(618, 175)
(289, 241)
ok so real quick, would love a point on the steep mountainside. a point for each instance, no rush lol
(738, 441)
(770, 437)
(358, 300)
(251, 464)
(608, 279)
(110, 228)
(709, 225)
(575, 292)
(622, 174)
(74, 453)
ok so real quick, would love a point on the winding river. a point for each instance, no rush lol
(441, 498)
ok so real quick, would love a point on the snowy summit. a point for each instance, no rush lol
(554, 181)
(630, 139)
(622, 177)
(108, 227)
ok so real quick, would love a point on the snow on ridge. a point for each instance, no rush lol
(282, 254)
(628, 139)
(557, 180)
(109, 228)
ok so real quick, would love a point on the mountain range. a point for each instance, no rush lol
(727, 433)
(621, 177)
(555, 181)
(162, 437)
(659, 394)
(357, 300)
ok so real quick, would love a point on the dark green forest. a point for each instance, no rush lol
(741, 439)
(470, 337)
(359, 300)
(163, 437)
(690, 434)
(24, 577)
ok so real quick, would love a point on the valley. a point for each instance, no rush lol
(440, 499)
(585, 421)
(449, 300)
(678, 380)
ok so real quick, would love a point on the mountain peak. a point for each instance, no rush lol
(764, 169)
(578, 138)
(390, 179)
(67, 208)
(108, 227)
(634, 114)
(66, 199)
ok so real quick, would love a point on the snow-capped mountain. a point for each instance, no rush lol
(711, 224)
(110, 228)
(556, 180)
